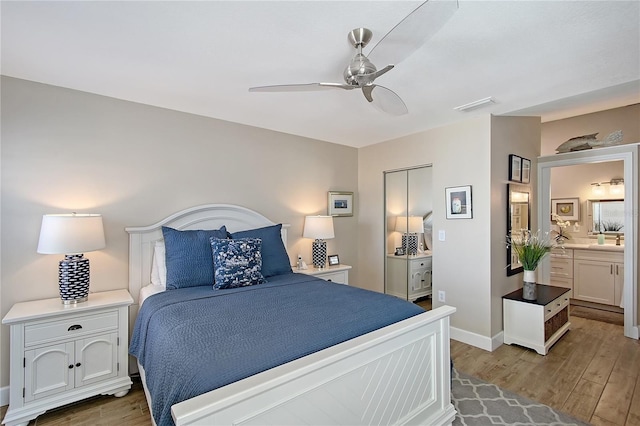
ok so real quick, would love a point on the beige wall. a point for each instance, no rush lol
(469, 264)
(64, 150)
(575, 181)
(627, 119)
(509, 135)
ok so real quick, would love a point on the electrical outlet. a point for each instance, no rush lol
(441, 297)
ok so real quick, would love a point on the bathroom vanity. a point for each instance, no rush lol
(594, 272)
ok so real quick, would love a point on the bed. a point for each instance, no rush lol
(350, 369)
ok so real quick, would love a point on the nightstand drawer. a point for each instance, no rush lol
(336, 277)
(44, 332)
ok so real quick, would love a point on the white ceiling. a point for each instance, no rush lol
(549, 58)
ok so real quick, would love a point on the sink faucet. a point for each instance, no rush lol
(617, 239)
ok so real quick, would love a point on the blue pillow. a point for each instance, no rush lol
(275, 260)
(188, 256)
(237, 263)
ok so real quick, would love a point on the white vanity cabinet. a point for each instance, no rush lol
(562, 268)
(63, 353)
(598, 276)
(409, 277)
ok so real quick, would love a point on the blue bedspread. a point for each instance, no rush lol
(193, 340)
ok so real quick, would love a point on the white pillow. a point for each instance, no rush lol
(159, 266)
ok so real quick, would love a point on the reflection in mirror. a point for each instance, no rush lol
(607, 216)
(518, 214)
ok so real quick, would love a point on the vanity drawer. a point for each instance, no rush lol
(561, 267)
(71, 327)
(561, 253)
(552, 308)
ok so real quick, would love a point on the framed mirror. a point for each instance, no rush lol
(518, 221)
(606, 216)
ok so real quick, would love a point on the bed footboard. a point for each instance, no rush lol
(399, 374)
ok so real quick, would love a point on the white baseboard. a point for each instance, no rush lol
(4, 396)
(477, 340)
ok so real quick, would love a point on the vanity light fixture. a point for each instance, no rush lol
(597, 189)
(616, 187)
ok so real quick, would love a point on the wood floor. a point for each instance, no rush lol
(592, 373)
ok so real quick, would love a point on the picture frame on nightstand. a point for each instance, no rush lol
(333, 259)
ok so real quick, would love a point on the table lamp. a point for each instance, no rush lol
(72, 235)
(319, 228)
(410, 227)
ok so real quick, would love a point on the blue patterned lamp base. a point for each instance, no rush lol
(410, 243)
(73, 278)
(319, 253)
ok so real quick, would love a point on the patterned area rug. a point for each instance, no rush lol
(482, 403)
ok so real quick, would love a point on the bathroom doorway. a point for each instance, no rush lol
(551, 185)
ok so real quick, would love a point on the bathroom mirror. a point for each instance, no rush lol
(518, 214)
(606, 216)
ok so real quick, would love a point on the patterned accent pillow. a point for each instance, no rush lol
(237, 263)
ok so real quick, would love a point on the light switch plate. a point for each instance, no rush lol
(441, 235)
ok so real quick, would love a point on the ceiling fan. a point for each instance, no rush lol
(398, 44)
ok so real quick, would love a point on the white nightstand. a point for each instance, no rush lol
(337, 274)
(64, 353)
(409, 276)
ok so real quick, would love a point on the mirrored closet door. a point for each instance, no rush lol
(408, 232)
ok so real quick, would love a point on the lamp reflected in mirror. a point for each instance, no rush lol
(518, 221)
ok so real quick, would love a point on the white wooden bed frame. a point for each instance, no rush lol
(399, 374)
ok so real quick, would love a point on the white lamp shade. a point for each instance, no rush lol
(416, 224)
(318, 227)
(71, 233)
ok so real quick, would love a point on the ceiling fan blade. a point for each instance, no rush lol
(384, 99)
(369, 78)
(305, 87)
(413, 31)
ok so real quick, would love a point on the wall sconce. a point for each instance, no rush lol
(616, 187)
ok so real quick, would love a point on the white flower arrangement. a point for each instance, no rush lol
(562, 225)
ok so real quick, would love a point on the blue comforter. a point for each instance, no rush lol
(193, 340)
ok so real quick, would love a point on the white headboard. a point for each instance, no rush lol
(142, 239)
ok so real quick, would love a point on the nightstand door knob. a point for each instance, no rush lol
(74, 327)
(329, 280)
(78, 364)
(70, 366)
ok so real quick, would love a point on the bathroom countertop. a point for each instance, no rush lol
(603, 247)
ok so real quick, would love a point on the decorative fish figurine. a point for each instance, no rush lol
(580, 143)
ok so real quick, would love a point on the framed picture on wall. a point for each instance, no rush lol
(340, 203)
(515, 168)
(458, 199)
(526, 170)
(566, 208)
